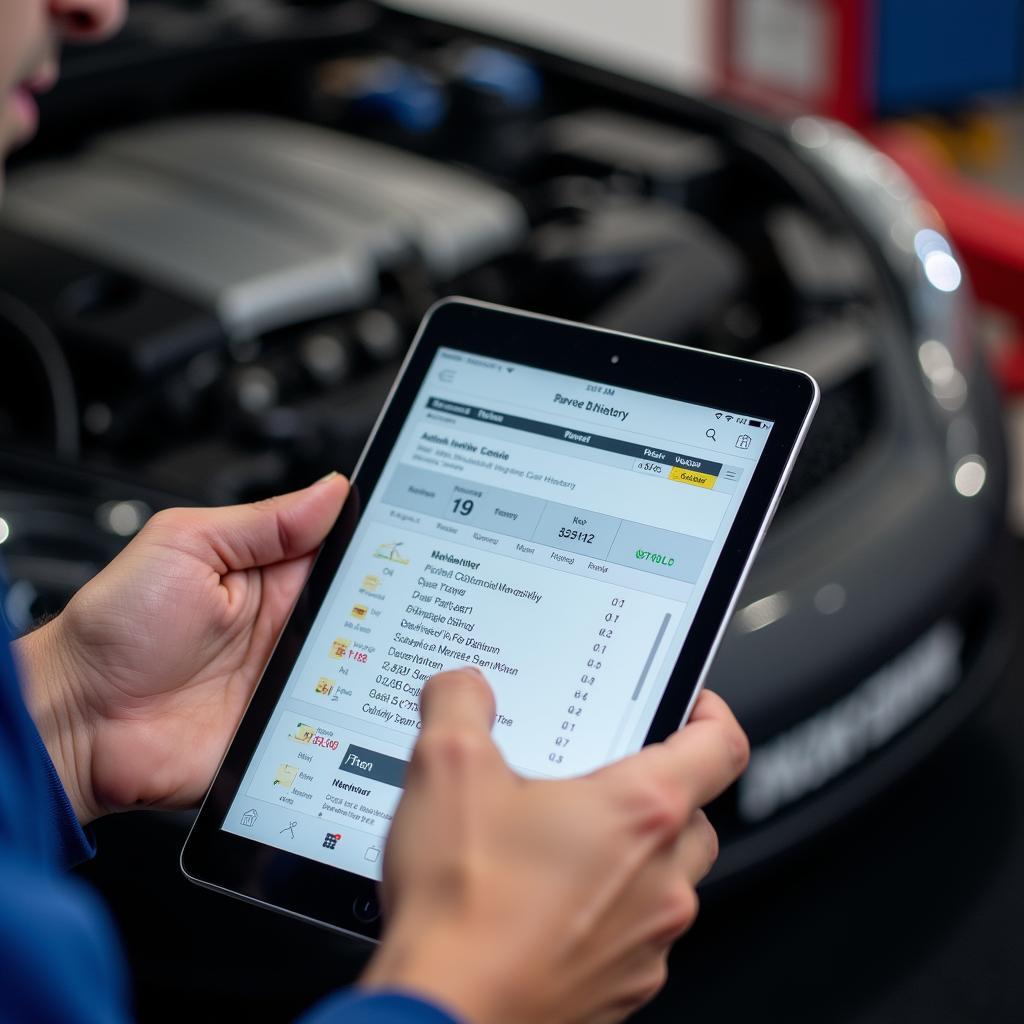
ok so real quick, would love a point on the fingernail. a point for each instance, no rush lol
(328, 476)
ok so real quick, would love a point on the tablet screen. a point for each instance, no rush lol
(556, 533)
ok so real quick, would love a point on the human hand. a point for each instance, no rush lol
(551, 902)
(138, 685)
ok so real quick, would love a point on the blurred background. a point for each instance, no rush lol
(216, 252)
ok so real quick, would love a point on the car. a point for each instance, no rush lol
(214, 257)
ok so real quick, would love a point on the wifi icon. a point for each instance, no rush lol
(728, 419)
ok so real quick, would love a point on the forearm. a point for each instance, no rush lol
(56, 707)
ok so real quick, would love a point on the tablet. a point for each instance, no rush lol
(571, 510)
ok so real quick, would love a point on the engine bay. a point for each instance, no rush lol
(230, 288)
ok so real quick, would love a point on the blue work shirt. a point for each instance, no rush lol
(60, 960)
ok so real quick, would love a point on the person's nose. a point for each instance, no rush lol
(87, 20)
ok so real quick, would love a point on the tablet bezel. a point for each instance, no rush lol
(339, 899)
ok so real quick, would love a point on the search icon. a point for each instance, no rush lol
(710, 432)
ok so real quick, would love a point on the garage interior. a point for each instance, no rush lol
(578, 161)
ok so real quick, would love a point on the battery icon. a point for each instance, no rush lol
(755, 423)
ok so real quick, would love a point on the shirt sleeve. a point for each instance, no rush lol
(72, 844)
(353, 1006)
(36, 817)
(60, 960)
(59, 955)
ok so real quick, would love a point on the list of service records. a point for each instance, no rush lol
(420, 602)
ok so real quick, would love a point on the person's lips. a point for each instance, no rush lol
(25, 110)
(23, 101)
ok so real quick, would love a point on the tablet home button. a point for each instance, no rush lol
(366, 909)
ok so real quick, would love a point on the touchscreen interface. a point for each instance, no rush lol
(556, 533)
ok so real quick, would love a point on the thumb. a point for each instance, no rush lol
(264, 532)
(457, 701)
